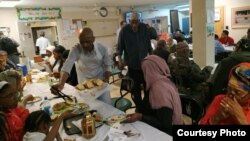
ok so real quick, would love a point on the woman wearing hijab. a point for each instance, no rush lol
(49, 53)
(165, 105)
(232, 108)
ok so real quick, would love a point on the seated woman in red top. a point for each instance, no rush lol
(14, 114)
(232, 108)
(225, 39)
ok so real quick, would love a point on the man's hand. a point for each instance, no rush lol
(133, 118)
(59, 86)
(121, 64)
(107, 74)
(56, 74)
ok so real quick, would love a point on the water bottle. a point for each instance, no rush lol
(46, 106)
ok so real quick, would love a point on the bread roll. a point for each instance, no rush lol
(98, 82)
(80, 86)
(89, 85)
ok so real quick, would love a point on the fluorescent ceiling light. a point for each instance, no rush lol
(184, 9)
(8, 3)
(182, 6)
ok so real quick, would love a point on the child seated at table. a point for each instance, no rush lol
(18, 83)
(37, 126)
(14, 114)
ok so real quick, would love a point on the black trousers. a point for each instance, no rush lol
(139, 84)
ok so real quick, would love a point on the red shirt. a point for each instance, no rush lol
(215, 106)
(16, 119)
(227, 41)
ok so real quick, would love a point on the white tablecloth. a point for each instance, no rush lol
(148, 133)
(229, 48)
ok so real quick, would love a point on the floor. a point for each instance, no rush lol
(115, 92)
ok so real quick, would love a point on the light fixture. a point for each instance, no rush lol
(182, 6)
(8, 3)
(184, 9)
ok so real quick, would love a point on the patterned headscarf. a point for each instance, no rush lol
(240, 76)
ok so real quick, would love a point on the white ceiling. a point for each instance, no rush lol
(91, 3)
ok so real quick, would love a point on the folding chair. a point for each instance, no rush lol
(115, 69)
(191, 108)
(123, 103)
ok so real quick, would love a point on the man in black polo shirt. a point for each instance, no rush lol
(134, 41)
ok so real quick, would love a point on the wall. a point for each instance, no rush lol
(87, 14)
(164, 12)
(8, 18)
(228, 5)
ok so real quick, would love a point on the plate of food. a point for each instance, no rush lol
(35, 71)
(114, 119)
(34, 100)
(61, 107)
(89, 84)
(83, 105)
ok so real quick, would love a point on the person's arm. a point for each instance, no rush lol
(231, 41)
(53, 133)
(67, 66)
(162, 120)
(120, 48)
(235, 109)
(196, 73)
(25, 100)
(63, 78)
(107, 62)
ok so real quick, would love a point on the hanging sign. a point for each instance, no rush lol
(38, 14)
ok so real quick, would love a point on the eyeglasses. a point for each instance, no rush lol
(238, 93)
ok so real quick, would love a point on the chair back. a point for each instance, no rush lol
(123, 103)
(191, 108)
(126, 84)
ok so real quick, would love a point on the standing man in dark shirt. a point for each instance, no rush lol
(134, 41)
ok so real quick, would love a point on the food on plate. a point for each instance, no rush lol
(83, 105)
(59, 106)
(35, 71)
(89, 84)
(69, 101)
(98, 82)
(114, 119)
(34, 99)
(80, 86)
(42, 79)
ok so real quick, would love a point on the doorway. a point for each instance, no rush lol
(50, 34)
(185, 25)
